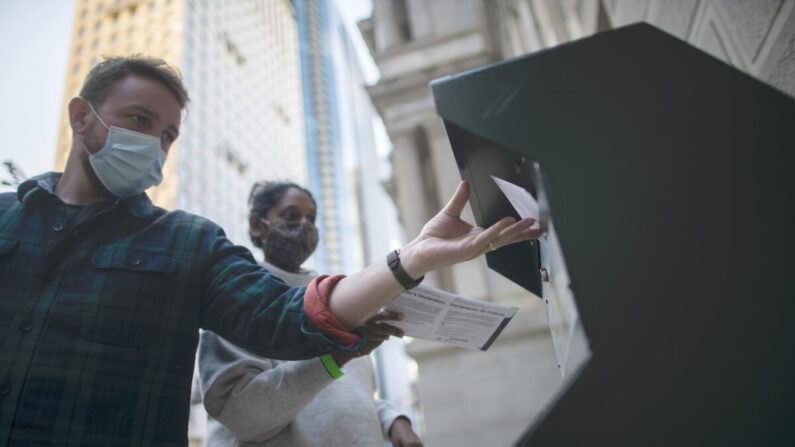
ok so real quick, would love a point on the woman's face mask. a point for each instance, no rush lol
(289, 244)
(290, 235)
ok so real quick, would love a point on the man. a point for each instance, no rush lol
(102, 293)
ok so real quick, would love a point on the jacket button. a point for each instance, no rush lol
(25, 326)
(134, 261)
(57, 226)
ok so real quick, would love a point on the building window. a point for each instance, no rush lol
(79, 50)
(98, 25)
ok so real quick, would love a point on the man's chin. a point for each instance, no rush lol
(96, 183)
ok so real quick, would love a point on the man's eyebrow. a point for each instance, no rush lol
(145, 111)
(154, 115)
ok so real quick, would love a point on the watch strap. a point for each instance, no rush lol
(393, 261)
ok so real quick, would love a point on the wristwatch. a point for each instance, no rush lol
(393, 261)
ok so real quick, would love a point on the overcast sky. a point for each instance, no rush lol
(35, 42)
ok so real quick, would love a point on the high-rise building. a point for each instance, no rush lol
(318, 28)
(240, 62)
(357, 219)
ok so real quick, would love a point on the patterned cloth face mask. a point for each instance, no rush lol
(289, 244)
(129, 163)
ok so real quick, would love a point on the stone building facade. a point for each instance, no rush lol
(475, 398)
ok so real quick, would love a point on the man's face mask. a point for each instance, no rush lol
(129, 163)
(289, 244)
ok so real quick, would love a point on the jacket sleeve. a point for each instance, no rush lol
(387, 413)
(254, 397)
(248, 306)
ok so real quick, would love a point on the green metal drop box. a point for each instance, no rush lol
(666, 181)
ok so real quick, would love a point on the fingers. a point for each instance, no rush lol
(508, 232)
(456, 204)
(491, 233)
(381, 331)
(386, 315)
(520, 231)
(377, 328)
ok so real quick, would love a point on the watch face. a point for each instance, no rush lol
(392, 260)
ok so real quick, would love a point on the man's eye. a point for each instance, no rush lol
(140, 119)
(168, 137)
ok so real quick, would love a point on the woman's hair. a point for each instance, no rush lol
(264, 195)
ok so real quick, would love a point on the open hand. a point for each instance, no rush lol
(447, 240)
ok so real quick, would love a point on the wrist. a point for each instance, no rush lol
(340, 358)
(411, 261)
(401, 275)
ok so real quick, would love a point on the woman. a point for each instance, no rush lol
(253, 400)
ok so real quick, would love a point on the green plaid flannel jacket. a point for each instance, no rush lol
(99, 320)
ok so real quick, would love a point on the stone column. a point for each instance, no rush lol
(411, 195)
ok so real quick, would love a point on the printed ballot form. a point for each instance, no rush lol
(436, 315)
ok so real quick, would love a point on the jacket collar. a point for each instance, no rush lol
(44, 184)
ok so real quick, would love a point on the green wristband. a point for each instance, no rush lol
(331, 366)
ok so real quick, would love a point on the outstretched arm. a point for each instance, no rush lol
(445, 240)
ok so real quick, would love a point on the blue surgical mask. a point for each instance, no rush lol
(129, 163)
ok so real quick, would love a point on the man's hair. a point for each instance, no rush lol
(105, 75)
(264, 195)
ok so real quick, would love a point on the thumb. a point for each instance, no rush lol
(456, 204)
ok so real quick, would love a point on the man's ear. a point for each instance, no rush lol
(257, 227)
(79, 115)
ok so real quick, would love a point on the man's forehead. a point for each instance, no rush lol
(145, 93)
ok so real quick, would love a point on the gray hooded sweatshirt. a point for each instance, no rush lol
(257, 401)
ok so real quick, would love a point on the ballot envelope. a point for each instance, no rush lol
(665, 185)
